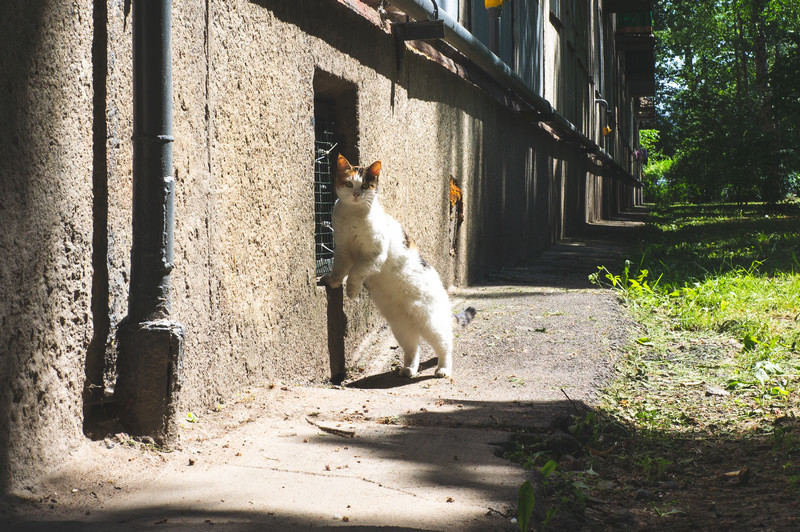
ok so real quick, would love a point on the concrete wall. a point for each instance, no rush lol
(46, 238)
(244, 284)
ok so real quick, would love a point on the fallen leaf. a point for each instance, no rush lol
(716, 391)
(738, 478)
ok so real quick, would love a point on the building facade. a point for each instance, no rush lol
(500, 131)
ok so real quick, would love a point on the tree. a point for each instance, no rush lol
(728, 73)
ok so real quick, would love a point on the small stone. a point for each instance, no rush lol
(642, 495)
(108, 443)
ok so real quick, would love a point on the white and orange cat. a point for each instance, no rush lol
(372, 249)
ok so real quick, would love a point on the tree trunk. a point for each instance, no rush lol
(769, 145)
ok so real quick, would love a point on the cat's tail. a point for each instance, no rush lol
(465, 316)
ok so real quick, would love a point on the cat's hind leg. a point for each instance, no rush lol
(441, 339)
(444, 355)
(408, 339)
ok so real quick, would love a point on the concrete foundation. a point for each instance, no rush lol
(150, 366)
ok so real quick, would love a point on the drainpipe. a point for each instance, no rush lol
(150, 358)
(466, 43)
(494, 8)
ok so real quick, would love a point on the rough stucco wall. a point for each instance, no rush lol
(244, 284)
(46, 240)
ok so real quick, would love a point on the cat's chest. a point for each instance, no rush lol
(363, 239)
(363, 236)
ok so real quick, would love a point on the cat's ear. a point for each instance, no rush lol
(342, 164)
(374, 169)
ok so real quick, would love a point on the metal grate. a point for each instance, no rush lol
(324, 194)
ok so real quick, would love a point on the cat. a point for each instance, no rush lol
(372, 249)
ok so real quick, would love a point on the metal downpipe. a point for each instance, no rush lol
(153, 184)
(150, 359)
(466, 43)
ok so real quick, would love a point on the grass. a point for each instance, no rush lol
(716, 290)
(700, 422)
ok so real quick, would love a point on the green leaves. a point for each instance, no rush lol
(724, 313)
(525, 504)
(637, 284)
(764, 369)
(720, 116)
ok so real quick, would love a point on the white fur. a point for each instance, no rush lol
(370, 249)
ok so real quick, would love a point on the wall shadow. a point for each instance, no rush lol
(568, 262)
(328, 21)
(23, 255)
(95, 365)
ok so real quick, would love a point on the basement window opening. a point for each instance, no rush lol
(324, 194)
(335, 132)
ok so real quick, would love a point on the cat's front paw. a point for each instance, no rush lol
(330, 282)
(353, 289)
(443, 372)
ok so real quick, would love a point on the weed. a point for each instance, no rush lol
(653, 469)
(733, 323)
(525, 504)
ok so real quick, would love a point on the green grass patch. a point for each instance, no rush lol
(716, 290)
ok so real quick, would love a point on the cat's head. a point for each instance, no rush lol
(357, 185)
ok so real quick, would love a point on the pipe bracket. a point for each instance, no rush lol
(415, 31)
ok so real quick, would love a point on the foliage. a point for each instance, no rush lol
(654, 174)
(728, 100)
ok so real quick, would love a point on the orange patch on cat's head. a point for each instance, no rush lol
(345, 172)
(370, 174)
(343, 165)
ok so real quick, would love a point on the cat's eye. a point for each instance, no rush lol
(348, 184)
(364, 186)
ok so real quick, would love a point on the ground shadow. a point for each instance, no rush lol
(672, 489)
(188, 518)
(392, 379)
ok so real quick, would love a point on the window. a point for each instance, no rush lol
(335, 132)
(324, 194)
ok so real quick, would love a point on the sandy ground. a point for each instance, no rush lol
(381, 451)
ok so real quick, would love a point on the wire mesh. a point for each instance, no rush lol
(324, 195)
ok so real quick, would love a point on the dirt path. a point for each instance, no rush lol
(382, 451)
